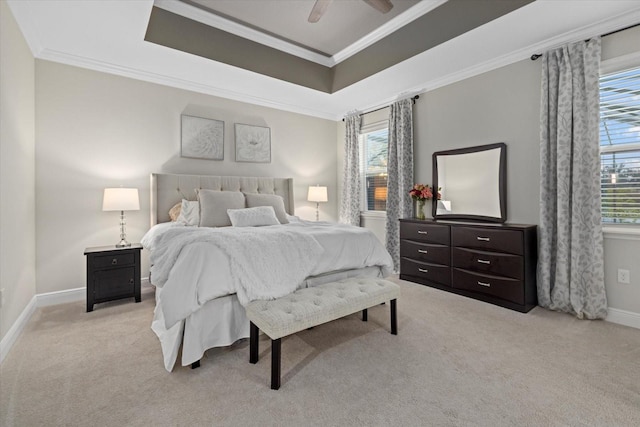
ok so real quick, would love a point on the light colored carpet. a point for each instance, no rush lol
(455, 362)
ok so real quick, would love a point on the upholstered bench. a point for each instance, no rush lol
(309, 307)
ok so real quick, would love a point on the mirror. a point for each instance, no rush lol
(472, 183)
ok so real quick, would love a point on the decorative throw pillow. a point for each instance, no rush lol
(273, 200)
(174, 212)
(214, 205)
(253, 217)
(189, 213)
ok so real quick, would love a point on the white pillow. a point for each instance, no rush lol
(189, 213)
(214, 205)
(277, 202)
(253, 217)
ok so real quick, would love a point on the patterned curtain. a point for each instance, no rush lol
(350, 203)
(570, 264)
(400, 173)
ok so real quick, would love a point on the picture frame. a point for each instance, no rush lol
(253, 143)
(201, 138)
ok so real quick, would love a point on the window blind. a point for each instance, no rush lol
(620, 147)
(374, 168)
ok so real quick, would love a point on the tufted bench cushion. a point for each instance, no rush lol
(309, 307)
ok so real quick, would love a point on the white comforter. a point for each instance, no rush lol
(194, 265)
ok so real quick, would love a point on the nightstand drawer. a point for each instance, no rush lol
(438, 254)
(501, 287)
(425, 232)
(495, 263)
(434, 272)
(510, 241)
(114, 260)
(114, 283)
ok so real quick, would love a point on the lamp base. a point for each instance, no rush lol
(123, 244)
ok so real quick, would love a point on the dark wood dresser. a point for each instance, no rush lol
(495, 263)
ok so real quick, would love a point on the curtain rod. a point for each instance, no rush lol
(413, 98)
(538, 55)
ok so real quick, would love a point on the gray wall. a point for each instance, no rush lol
(95, 130)
(500, 106)
(17, 178)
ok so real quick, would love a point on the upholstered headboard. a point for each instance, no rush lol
(169, 189)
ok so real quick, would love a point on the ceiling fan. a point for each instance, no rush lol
(320, 7)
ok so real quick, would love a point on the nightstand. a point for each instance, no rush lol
(112, 273)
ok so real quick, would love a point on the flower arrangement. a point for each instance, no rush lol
(421, 192)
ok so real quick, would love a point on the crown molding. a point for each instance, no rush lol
(582, 33)
(110, 68)
(23, 15)
(383, 31)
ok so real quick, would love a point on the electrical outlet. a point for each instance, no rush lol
(624, 276)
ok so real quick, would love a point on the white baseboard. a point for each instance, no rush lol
(16, 329)
(44, 300)
(623, 317)
(61, 297)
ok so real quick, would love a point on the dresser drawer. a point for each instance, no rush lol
(425, 232)
(501, 287)
(437, 254)
(434, 272)
(495, 263)
(510, 241)
(115, 260)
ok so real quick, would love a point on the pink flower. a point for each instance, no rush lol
(421, 192)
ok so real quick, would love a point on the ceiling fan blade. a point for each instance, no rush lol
(319, 8)
(383, 6)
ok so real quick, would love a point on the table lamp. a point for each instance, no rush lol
(317, 194)
(121, 199)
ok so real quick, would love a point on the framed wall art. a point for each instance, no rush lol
(253, 143)
(202, 138)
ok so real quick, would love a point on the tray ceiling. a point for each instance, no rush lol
(108, 36)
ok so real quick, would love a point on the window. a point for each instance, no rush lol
(374, 147)
(620, 147)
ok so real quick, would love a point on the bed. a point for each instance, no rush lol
(205, 275)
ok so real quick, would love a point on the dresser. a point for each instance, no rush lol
(112, 273)
(495, 263)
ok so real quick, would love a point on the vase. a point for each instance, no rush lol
(420, 209)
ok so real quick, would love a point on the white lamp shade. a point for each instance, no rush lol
(120, 199)
(317, 194)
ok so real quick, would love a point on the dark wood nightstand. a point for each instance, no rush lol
(112, 273)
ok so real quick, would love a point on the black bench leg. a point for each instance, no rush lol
(253, 343)
(364, 315)
(275, 364)
(195, 364)
(394, 318)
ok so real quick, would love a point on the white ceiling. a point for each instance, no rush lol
(108, 36)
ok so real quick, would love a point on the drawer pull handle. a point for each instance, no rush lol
(131, 281)
(484, 261)
(488, 285)
(422, 232)
(423, 270)
(423, 251)
(114, 261)
(484, 239)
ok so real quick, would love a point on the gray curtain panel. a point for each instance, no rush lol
(399, 173)
(350, 202)
(570, 263)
